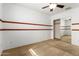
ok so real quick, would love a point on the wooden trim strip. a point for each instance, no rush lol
(75, 29)
(75, 23)
(65, 26)
(21, 29)
(24, 23)
(64, 29)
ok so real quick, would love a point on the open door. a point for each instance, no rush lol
(56, 24)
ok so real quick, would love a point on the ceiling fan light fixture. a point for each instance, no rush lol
(52, 6)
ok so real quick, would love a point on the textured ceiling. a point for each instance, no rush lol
(37, 7)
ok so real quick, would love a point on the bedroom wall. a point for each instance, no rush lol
(19, 13)
(74, 15)
(0, 28)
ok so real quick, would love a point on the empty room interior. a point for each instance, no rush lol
(39, 29)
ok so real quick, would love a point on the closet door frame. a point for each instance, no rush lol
(54, 24)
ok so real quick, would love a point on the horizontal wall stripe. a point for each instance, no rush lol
(75, 29)
(24, 23)
(21, 29)
(65, 29)
(75, 23)
(65, 26)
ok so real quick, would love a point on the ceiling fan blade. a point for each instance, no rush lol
(45, 7)
(51, 10)
(60, 6)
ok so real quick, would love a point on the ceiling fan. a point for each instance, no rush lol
(52, 6)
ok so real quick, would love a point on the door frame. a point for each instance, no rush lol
(54, 28)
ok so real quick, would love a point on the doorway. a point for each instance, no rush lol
(62, 30)
(66, 31)
(56, 32)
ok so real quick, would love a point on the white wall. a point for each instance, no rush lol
(74, 14)
(0, 28)
(16, 12)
